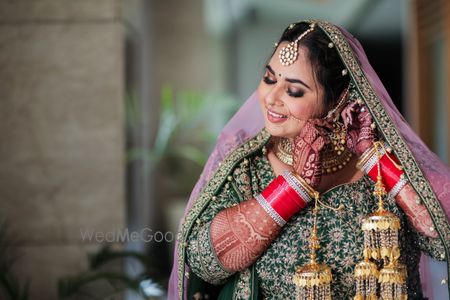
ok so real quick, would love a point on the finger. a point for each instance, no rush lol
(348, 113)
(322, 124)
(318, 144)
(347, 117)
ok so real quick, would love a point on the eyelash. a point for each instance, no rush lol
(296, 94)
(267, 80)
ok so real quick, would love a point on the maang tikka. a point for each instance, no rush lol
(289, 53)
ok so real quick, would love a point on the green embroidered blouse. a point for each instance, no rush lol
(340, 234)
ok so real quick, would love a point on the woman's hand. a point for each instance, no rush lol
(361, 133)
(307, 147)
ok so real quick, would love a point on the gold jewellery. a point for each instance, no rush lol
(380, 265)
(334, 157)
(288, 54)
(283, 151)
(313, 280)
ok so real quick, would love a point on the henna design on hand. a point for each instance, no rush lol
(241, 233)
(307, 147)
(360, 134)
(417, 214)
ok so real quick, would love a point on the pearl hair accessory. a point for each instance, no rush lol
(288, 54)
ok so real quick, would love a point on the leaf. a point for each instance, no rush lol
(192, 153)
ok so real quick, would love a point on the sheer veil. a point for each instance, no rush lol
(427, 174)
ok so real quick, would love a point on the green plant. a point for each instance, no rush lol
(188, 125)
(106, 277)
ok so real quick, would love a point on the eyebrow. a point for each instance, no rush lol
(291, 80)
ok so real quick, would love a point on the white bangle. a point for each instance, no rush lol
(301, 192)
(270, 211)
(398, 187)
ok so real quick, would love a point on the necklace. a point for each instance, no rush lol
(332, 161)
(283, 151)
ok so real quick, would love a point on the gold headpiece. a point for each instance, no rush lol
(288, 54)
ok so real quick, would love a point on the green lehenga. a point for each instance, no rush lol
(339, 232)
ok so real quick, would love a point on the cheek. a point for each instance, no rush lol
(302, 110)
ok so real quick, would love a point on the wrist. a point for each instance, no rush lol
(391, 171)
(284, 197)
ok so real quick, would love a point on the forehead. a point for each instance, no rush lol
(301, 68)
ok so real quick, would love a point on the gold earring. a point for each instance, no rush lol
(338, 137)
(336, 155)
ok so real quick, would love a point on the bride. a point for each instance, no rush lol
(291, 180)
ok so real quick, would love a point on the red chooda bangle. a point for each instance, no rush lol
(391, 172)
(283, 197)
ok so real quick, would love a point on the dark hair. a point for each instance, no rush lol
(326, 63)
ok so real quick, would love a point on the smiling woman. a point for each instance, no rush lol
(330, 131)
(289, 95)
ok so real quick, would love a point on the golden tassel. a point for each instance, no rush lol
(313, 281)
(393, 282)
(366, 277)
(380, 244)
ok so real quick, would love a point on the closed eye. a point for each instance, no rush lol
(268, 80)
(295, 93)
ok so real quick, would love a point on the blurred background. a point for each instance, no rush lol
(109, 109)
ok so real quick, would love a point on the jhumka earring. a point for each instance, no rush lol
(381, 245)
(337, 155)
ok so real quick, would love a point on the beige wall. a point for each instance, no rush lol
(183, 50)
(61, 131)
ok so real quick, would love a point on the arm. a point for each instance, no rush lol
(242, 233)
(200, 254)
(236, 236)
(398, 187)
(417, 214)
(360, 139)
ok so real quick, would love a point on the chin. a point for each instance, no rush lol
(278, 131)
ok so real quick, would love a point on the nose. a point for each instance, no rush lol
(273, 97)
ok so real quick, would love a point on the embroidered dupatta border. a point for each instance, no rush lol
(390, 132)
(211, 188)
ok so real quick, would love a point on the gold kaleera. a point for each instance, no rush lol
(313, 281)
(380, 244)
(366, 277)
(393, 282)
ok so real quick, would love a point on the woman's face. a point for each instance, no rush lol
(289, 95)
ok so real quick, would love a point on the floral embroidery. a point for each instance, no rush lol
(243, 289)
(208, 196)
(203, 260)
(390, 132)
(340, 236)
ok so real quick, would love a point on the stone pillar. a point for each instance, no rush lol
(61, 131)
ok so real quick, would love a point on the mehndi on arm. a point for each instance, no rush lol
(397, 186)
(239, 234)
